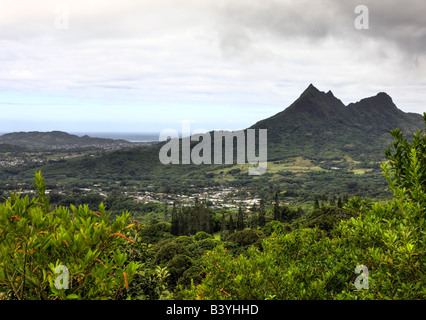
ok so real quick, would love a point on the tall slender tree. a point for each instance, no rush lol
(262, 213)
(231, 226)
(175, 220)
(253, 217)
(240, 219)
(316, 204)
(276, 208)
(339, 202)
(166, 211)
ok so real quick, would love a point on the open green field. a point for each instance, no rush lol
(361, 171)
(296, 165)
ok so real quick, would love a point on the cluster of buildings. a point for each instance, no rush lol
(8, 162)
(214, 196)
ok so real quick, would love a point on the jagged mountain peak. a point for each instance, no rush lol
(319, 124)
(316, 103)
(383, 95)
(311, 90)
(381, 102)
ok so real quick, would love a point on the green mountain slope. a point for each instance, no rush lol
(318, 125)
(4, 148)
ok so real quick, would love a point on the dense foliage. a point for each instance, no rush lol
(35, 240)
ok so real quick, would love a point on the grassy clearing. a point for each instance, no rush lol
(361, 170)
(349, 159)
(296, 165)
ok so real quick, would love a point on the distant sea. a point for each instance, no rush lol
(128, 136)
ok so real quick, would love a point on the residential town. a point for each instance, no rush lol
(216, 197)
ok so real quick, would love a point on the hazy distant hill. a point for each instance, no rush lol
(318, 125)
(4, 148)
(56, 140)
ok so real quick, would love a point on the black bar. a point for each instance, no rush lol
(178, 309)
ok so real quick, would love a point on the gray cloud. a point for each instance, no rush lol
(392, 22)
(257, 54)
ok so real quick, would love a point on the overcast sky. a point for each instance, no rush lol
(147, 65)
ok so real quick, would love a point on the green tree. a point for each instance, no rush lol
(253, 217)
(262, 213)
(339, 202)
(400, 159)
(175, 220)
(231, 226)
(316, 204)
(240, 219)
(35, 240)
(277, 215)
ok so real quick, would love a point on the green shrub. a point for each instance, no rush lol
(177, 266)
(150, 283)
(326, 218)
(201, 235)
(35, 240)
(184, 240)
(200, 247)
(168, 251)
(234, 248)
(153, 233)
(194, 275)
(245, 237)
(274, 225)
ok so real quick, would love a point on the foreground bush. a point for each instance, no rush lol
(59, 254)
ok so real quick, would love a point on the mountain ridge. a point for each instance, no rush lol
(57, 139)
(319, 125)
